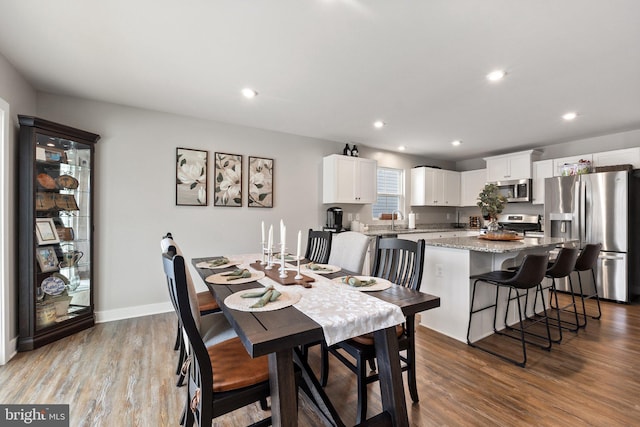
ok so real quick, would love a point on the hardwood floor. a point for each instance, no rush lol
(121, 374)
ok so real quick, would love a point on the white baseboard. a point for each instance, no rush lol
(130, 312)
(11, 350)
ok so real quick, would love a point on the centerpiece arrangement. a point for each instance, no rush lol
(491, 203)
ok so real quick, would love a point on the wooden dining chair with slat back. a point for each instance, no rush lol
(401, 262)
(318, 246)
(211, 323)
(222, 377)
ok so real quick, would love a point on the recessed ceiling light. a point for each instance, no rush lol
(402, 148)
(379, 124)
(496, 75)
(456, 142)
(249, 93)
(570, 116)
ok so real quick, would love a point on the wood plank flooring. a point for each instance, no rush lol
(121, 374)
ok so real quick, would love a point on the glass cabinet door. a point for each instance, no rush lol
(63, 230)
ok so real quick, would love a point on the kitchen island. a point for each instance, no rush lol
(448, 264)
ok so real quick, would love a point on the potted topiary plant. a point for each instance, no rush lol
(491, 203)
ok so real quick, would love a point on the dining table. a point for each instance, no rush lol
(281, 334)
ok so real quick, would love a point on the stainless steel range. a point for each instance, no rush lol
(528, 225)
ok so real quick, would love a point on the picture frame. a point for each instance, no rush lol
(228, 180)
(47, 258)
(46, 233)
(191, 177)
(260, 182)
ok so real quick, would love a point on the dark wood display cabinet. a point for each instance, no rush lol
(55, 231)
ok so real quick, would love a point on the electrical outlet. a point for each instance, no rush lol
(438, 270)
(350, 217)
(357, 217)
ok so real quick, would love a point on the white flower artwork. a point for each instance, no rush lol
(260, 182)
(191, 177)
(228, 180)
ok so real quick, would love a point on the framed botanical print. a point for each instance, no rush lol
(228, 180)
(191, 177)
(46, 233)
(260, 182)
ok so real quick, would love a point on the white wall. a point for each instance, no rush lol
(426, 214)
(135, 194)
(20, 99)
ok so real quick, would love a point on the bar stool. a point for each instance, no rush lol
(562, 267)
(528, 276)
(587, 261)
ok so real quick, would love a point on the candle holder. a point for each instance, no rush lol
(269, 258)
(265, 253)
(298, 275)
(283, 270)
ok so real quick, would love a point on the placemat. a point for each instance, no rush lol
(220, 279)
(236, 302)
(380, 285)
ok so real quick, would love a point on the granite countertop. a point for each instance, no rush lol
(473, 243)
(440, 229)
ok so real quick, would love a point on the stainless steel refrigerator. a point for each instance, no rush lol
(599, 208)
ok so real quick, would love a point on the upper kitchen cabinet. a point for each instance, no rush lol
(434, 187)
(542, 170)
(512, 166)
(471, 184)
(626, 156)
(348, 179)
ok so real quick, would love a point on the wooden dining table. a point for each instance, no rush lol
(279, 335)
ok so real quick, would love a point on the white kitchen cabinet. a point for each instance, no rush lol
(625, 156)
(434, 187)
(471, 184)
(542, 170)
(509, 167)
(559, 163)
(348, 179)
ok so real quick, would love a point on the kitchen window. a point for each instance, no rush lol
(390, 191)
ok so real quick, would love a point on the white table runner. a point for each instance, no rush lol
(343, 313)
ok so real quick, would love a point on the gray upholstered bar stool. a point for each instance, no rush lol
(587, 262)
(528, 276)
(562, 267)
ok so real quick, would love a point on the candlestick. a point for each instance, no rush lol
(283, 271)
(282, 231)
(262, 233)
(299, 242)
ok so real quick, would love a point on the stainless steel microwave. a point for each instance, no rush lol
(516, 190)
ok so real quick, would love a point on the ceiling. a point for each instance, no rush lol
(330, 68)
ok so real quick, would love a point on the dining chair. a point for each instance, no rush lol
(221, 377)
(211, 323)
(401, 262)
(318, 246)
(528, 276)
(348, 251)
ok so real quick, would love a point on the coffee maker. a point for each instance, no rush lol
(334, 220)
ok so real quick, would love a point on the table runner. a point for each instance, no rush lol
(342, 313)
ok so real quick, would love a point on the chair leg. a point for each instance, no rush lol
(361, 414)
(176, 346)
(324, 364)
(556, 308)
(411, 373)
(372, 365)
(263, 404)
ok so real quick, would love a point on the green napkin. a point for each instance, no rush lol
(317, 267)
(357, 283)
(238, 273)
(218, 262)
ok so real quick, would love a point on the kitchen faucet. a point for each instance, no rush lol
(393, 215)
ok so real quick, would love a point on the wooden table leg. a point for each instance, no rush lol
(284, 398)
(390, 374)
